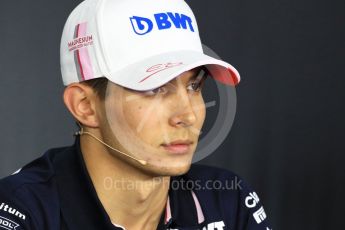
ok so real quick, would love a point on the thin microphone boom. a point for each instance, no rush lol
(82, 132)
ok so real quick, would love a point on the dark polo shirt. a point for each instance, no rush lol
(55, 192)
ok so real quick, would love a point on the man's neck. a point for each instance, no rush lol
(131, 199)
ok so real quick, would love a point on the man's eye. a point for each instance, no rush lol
(161, 90)
(195, 86)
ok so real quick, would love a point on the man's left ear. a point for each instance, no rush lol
(81, 101)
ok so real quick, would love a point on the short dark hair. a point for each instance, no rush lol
(99, 85)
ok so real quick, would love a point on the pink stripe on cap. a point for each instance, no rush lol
(201, 217)
(85, 61)
(83, 55)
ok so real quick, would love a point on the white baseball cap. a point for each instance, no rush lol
(138, 44)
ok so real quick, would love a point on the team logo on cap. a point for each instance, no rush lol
(163, 21)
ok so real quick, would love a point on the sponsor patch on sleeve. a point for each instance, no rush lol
(257, 212)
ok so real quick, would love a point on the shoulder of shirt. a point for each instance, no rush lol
(226, 182)
(237, 196)
(204, 172)
(38, 171)
(32, 192)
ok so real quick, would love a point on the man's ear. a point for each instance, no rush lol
(81, 101)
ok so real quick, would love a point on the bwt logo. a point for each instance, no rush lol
(163, 21)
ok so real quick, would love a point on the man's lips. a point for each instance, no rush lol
(178, 147)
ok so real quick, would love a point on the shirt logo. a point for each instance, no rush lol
(4, 207)
(259, 215)
(163, 21)
(215, 226)
(7, 224)
(252, 200)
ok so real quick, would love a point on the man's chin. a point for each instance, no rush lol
(178, 172)
(166, 171)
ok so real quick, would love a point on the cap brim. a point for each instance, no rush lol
(156, 71)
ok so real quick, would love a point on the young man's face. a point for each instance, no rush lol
(161, 126)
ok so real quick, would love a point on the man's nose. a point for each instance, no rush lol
(184, 113)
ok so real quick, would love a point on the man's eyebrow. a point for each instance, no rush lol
(202, 74)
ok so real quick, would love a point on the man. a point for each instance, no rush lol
(134, 71)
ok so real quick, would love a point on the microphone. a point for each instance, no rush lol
(82, 132)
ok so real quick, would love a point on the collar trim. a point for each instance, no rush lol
(201, 217)
(168, 216)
